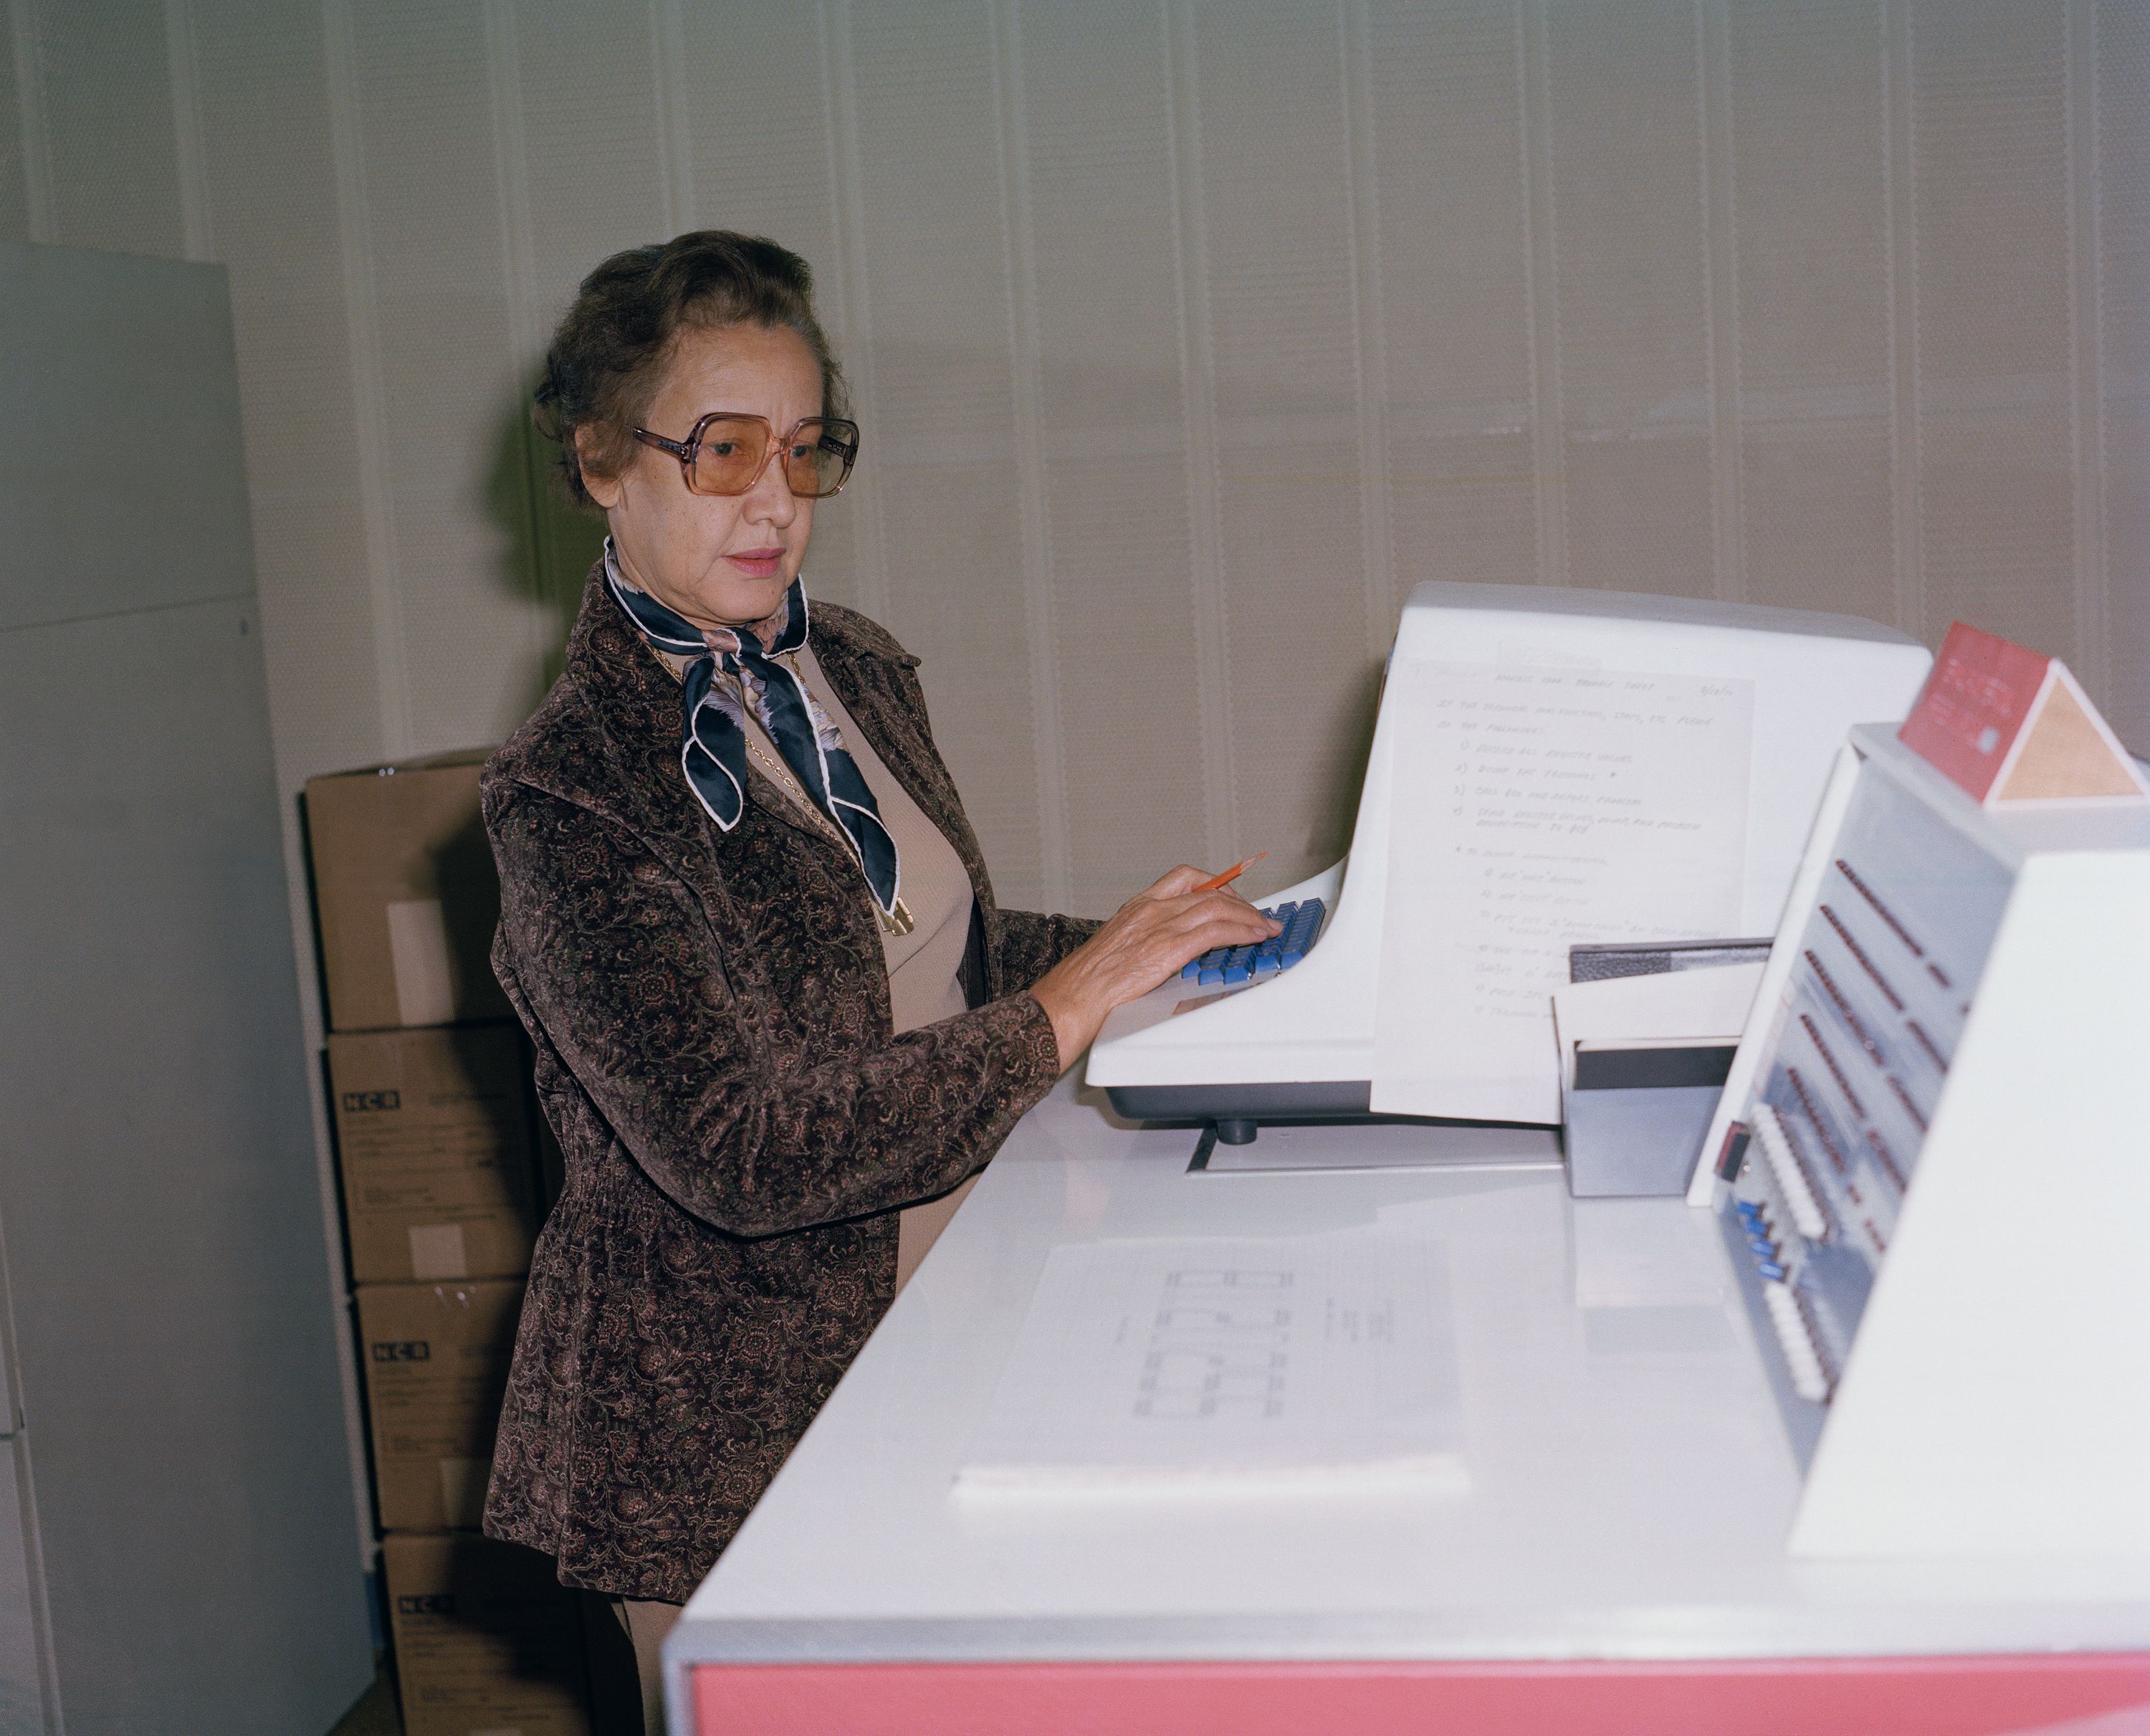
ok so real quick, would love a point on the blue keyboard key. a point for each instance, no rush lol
(1299, 921)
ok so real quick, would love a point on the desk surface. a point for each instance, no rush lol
(1630, 1488)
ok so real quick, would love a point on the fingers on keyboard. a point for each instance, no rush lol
(1229, 966)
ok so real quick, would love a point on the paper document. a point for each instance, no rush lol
(1535, 809)
(1305, 1364)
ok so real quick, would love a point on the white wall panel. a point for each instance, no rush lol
(1766, 297)
(579, 85)
(475, 639)
(1271, 139)
(927, 87)
(102, 74)
(14, 187)
(1811, 188)
(1630, 278)
(1447, 165)
(2122, 203)
(1112, 404)
(1990, 134)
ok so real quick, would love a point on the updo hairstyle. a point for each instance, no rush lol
(608, 355)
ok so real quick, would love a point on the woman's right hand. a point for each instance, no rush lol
(1148, 941)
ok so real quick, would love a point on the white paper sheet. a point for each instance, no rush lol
(1537, 809)
(1301, 1364)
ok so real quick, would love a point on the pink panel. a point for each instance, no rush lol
(1845, 1696)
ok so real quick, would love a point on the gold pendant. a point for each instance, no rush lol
(898, 922)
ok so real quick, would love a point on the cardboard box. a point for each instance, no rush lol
(435, 1141)
(405, 894)
(436, 1358)
(487, 1641)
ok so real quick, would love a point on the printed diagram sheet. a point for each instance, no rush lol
(1537, 809)
(1238, 1366)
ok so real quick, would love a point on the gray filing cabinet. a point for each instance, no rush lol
(177, 1530)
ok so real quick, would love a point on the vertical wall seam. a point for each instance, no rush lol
(2093, 648)
(503, 74)
(675, 136)
(1719, 192)
(503, 69)
(369, 387)
(875, 586)
(377, 505)
(1019, 266)
(30, 106)
(1542, 291)
(1197, 362)
(1369, 348)
(190, 149)
(1900, 207)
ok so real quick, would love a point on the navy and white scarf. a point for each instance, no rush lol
(713, 744)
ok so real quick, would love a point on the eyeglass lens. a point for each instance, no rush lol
(816, 458)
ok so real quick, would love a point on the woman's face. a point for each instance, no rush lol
(719, 560)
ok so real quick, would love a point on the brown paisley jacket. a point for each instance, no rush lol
(711, 1017)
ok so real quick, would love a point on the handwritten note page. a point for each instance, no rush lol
(1234, 1366)
(1537, 809)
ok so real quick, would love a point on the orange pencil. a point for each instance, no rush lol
(1229, 875)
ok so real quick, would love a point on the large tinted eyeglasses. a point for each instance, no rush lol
(725, 453)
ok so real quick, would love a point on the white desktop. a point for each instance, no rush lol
(1359, 1444)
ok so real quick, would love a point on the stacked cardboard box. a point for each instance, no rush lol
(405, 895)
(434, 1135)
(437, 1358)
(485, 1641)
(444, 1183)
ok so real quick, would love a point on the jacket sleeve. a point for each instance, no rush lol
(615, 957)
(1031, 944)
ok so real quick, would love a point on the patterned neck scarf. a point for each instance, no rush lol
(713, 745)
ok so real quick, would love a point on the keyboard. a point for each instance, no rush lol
(1229, 966)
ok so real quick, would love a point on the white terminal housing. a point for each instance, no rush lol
(1301, 1045)
(1933, 1189)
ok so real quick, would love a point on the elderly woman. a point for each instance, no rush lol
(751, 935)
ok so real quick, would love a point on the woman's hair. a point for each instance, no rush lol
(609, 352)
